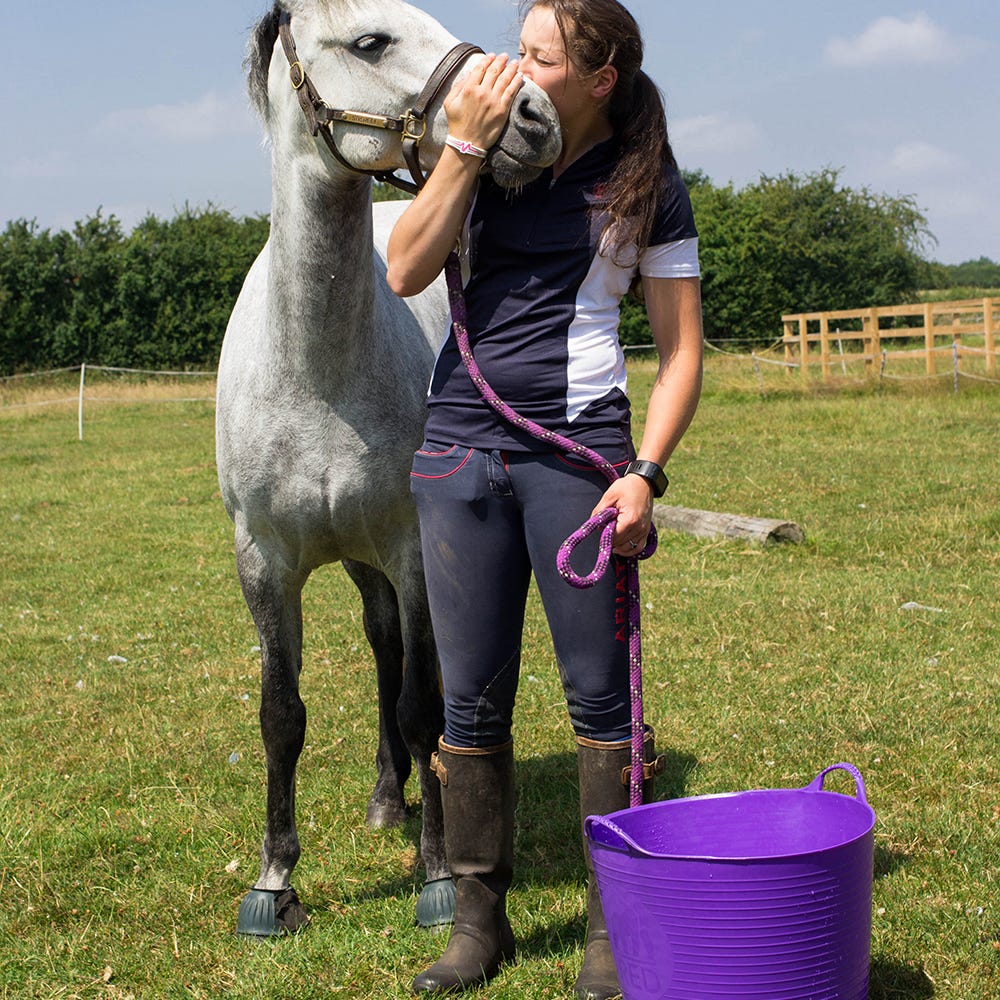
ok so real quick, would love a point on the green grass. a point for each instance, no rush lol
(131, 782)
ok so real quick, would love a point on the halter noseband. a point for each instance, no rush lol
(412, 125)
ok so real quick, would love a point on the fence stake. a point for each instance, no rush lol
(875, 344)
(929, 337)
(824, 345)
(988, 332)
(954, 354)
(79, 421)
(760, 375)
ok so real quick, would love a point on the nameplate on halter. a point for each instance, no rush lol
(362, 118)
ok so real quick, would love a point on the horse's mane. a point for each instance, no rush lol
(258, 59)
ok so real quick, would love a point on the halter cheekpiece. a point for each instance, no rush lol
(412, 125)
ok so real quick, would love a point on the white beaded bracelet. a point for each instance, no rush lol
(466, 148)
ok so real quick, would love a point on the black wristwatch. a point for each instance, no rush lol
(652, 473)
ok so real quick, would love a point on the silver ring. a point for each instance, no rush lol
(633, 544)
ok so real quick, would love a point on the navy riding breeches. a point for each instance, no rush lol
(488, 519)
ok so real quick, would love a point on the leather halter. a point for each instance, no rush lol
(412, 125)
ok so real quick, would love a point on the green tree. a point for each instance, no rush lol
(178, 285)
(981, 273)
(158, 297)
(35, 294)
(92, 326)
(388, 192)
(802, 244)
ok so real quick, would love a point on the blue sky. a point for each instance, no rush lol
(140, 107)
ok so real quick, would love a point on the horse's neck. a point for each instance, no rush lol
(321, 280)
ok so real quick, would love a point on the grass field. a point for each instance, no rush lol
(131, 778)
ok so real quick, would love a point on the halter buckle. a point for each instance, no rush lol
(298, 75)
(414, 127)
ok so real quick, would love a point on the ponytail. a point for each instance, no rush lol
(635, 188)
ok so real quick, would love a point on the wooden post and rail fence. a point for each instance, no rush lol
(939, 325)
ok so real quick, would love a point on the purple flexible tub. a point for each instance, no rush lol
(761, 895)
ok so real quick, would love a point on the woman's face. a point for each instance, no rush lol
(544, 61)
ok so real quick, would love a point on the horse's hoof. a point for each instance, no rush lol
(436, 903)
(385, 815)
(271, 913)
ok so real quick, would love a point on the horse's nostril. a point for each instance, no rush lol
(527, 112)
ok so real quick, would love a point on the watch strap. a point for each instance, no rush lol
(652, 473)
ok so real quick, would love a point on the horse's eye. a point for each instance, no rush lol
(371, 45)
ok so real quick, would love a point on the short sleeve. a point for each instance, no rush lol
(677, 259)
(673, 241)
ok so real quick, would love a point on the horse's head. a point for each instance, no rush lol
(356, 68)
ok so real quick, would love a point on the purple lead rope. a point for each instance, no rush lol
(604, 522)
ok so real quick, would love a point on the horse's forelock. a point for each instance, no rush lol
(258, 59)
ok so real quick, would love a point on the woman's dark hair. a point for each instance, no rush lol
(599, 33)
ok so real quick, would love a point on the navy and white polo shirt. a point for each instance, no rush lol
(543, 309)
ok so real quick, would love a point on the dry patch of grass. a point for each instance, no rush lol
(19, 395)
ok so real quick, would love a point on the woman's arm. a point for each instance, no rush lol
(477, 108)
(674, 309)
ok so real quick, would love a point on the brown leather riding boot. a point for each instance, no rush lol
(605, 770)
(477, 794)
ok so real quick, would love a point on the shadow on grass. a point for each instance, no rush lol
(548, 855)
(548, 847)
(898, 981)
(886, 861)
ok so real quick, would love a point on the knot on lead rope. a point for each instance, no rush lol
(603, 521)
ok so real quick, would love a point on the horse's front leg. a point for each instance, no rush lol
(275, 601)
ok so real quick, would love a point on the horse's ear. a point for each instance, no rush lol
(258, 59)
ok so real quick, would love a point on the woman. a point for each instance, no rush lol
(547, 268)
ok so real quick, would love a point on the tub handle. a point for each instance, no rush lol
(605, 832)
(816, 784)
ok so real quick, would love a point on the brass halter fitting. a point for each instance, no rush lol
(413, 125)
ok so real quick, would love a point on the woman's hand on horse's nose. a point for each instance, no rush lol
(479, 102)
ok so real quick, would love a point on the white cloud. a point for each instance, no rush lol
(210, 116)
(923, 158)
(704, 134)
(893, 40)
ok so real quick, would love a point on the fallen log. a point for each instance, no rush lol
(711, 524)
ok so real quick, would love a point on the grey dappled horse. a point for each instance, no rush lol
(321, 392)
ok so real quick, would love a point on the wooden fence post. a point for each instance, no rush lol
(824, 345)
(988, 330)
(786, 325)
(929, 336)
(872, 342)
(953, 320)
